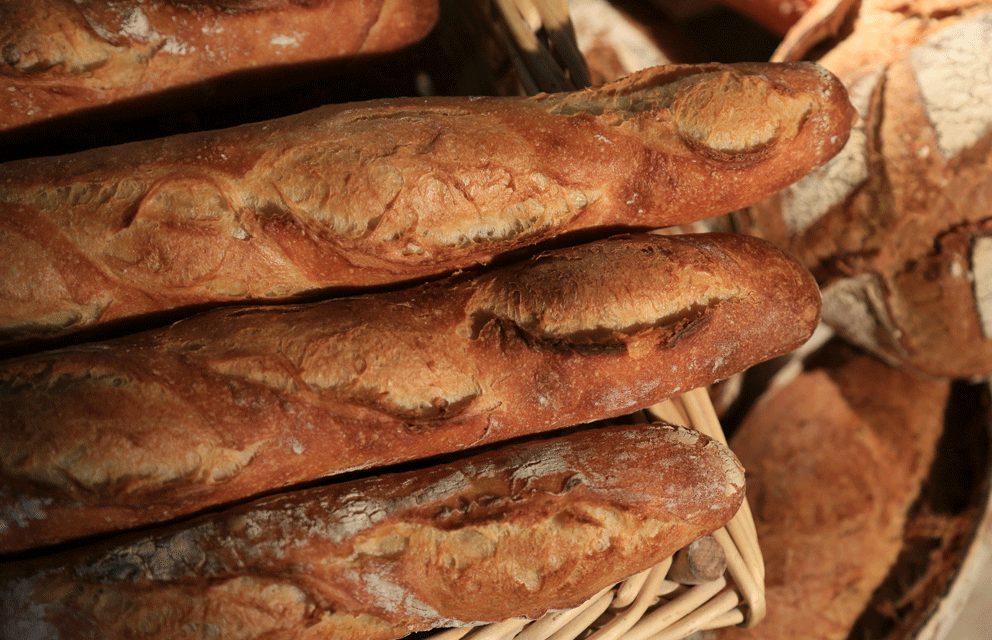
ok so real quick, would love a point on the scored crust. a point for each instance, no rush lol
(236, 402)
(514, 532)
(353, 196)
(896, 226)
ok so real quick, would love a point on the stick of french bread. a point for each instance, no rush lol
(235, 402)
(366, 194)
(513, 532)
(71, 57)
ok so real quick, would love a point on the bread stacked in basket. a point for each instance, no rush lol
(339, 374)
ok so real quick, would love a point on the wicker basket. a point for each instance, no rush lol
(666, 602)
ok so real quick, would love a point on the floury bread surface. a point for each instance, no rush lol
(236, 402)
(897, 226)
(71, 57)
(366, 194)
(511, 533)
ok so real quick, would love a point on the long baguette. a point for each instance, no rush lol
(515, 532)
(236, 402)
(367, 194)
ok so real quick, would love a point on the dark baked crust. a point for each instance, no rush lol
(366, 194)
(515, 532)
(896, 226)
(235, 402)
(63, 57)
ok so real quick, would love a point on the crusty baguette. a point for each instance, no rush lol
(370, 193)
(512, 532)
(235, 402)
(63, 57)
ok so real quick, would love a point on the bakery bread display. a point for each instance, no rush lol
(896, 226)
(95, 59)
(324, 374)
(835, 458)
(359, 195)
(510, 533)
(236, 402)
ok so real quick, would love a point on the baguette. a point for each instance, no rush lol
(236, 402)
(513, 532)
(65, 57)
(354, 196)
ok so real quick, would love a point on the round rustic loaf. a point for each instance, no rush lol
(896, 227)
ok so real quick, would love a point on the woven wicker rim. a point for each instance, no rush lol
(649, 606)
(540, 40)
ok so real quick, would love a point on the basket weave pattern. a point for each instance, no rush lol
(657, 604)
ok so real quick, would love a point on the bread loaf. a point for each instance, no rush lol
(834, 461)
(896, 227)
(66, 57)
(511, 533)
(392, 191)
(235, 402)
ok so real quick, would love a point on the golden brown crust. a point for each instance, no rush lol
(63, 57)
(514, 532)
(235, 402)
(395, 190)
